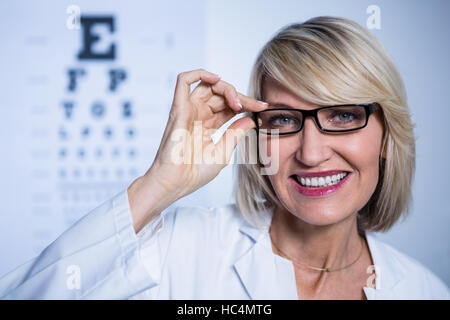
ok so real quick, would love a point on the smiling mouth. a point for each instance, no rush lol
(320, 182)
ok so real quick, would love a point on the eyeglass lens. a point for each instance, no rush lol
(333, 119)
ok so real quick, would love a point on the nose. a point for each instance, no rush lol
(314, 146)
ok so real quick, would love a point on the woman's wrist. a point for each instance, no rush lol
(148, 198)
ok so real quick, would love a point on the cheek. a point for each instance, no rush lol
(363, 154)
(269, 145)
(279, 153)
(360, 152)
(275, 154)
(362, 149)
(281, 147)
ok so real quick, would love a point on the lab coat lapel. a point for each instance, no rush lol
(388, 291)
(390, 279)
(266, 276)
(263, 275)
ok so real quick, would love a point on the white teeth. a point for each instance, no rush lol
(322, 181)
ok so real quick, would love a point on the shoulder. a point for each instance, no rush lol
(409, 276)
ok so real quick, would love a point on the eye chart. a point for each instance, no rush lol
(87, 90)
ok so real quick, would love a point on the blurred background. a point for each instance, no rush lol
(84, 105)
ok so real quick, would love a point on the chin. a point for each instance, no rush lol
(318, 216)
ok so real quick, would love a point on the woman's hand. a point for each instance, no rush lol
(187, 158)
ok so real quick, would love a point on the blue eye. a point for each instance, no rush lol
(344, 116)
(282, 120)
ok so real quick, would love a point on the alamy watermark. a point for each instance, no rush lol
(73, 20)
(197, 147)
(374, 20)
(374, 280)
(73, 281)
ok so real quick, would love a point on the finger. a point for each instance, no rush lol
(202, 92)
(217, 104)
(237, 101)
(220, 118)
(229, 92)
(251, 104)
(233, 134)
(185, 79)
(221, 112)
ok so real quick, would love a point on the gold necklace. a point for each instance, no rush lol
(315, 268)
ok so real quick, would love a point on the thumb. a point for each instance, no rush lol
(233, 134)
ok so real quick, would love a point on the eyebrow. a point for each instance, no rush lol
(280, 105)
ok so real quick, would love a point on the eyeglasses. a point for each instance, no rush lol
(338, 118)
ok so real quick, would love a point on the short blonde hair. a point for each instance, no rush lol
(330, 60)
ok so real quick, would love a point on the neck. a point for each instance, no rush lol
(331, 246)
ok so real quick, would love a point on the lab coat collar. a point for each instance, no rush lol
(390, 279)
(266, 275)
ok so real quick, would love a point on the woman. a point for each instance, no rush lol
(335, 160)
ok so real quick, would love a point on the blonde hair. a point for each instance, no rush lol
(330, 60)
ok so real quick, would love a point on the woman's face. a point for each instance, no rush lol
(312, 152)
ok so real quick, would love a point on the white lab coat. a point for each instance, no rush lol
(188, 253)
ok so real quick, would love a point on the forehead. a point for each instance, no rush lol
(275, 93)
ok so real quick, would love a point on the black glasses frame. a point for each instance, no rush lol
(369, 107)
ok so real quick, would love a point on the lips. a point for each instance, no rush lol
(316, 191)
(320, 181)
(319, 174)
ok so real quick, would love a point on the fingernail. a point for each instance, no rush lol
(264, 103)
(238, 102)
